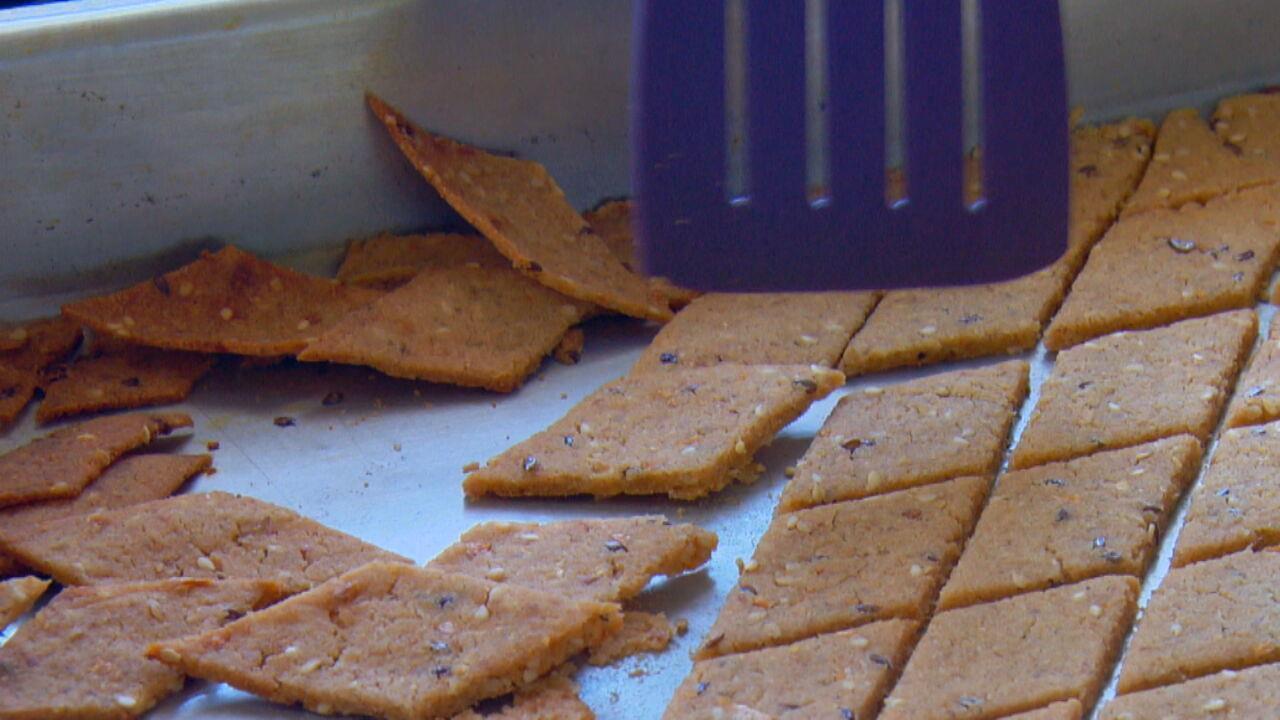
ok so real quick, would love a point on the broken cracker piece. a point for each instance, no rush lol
(225, 302)
(519, 207)
(82, 654)
(395, 641)
(128, 378)
(612, 222)
(210, 535)
(483, 327)
(18, 596)
(61, 464)
(606, 560)
(129, 481)
(569, 350)
(641, 632)
(684, 433)
(45, 342)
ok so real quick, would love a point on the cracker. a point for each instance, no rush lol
(519, 207)
(129, 378)
(840, 675)
(129, 481)
(1257, 397)
(82, 655)
(759, 329)
(408, 643)
(1013, 655)
(1191, 164)
(1215, 615)
(1228, 695)
(569, 350)
(935, 428)
(388, 261)
(641, 632)
(684, 433)
(1107, 161)
(17, 596)
(605, 560)
(1134, 387)
(612, 222)
(44, 342)
(840, 566)
(931, 325)
(1251, 124)
(1067, 710)
(224, 302)
(474, 326)
(208, 535)
(1237, 504)
(61, 464)
(1167, 265)
(1065, 522)
(554, 697)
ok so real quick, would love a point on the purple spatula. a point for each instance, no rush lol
(775, 235)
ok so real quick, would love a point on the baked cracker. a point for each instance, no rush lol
(684, 433)
(82, 654)
(605, 560)
(1250, 124)
(126, 378)
(1065, 710)
(44, 342)
(483, 327)
(554, 697)
(1230, 695)
(519, 207)
(208, 535)
(128, 481)
(612, 222)
(225, 302)
(62, 463)
(407, 643)
(18, 596)
(387, 261)
(1257, 396)
(641, 632)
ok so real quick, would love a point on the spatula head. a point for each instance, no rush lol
(776, 236)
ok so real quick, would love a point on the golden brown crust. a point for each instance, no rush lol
(1228, 695)
(18, 596)
(127, 378)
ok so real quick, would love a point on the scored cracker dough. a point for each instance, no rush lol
(408, 643)
(684, 433)
(82, 654)
(1237, 504)
(914, 433)
(225, 302)
(1134, 387)
(839, 566)
(209, 535)
(1065, 522)
(759, 329)
(62, 463)
(839, 675)
(1214, 615)
(1017, 654)
(521, 209)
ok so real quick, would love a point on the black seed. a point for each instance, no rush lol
(853, 444)
(1084, 384)
(1237, 277)
(1088, 170)
(161, 284)
(847, 714)
(1056, 482)
(441, 671)
(969, 701)
(810, 387)
(615, 546)
(212, 445)
(748, 590)
(1153, 509)
(1181, 245)
(879, 660)
(931, 557)
(1234, 512)
(1100, 542)
(439, 646)
(668, 358)
(530, 463)
(1234, 148)
(1224, 492)
(690, 389)
(445, 601)
(535, 267)
(702, 687)
(568, 440)
(285, 421)
(1111, 556)
(131, 382)
(1244, 256)
(1063, 515)
(54, 373)
(333, 398)
(970, 319)
(6, 393)
(865, 608)
(1254, 391)
(1259, 431)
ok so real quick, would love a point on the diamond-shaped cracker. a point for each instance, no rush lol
(17, 596)
(82, 654)
(129, 481)
(519, 207)
(1191, 164)
(129, 377)
(395, 641)
(210, 535)
(228, 301)
(61, 464)
(484, 327)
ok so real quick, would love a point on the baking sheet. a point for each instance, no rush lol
(385, 465)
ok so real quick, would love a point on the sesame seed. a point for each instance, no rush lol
(1164, 192)
(304, 324)
(205, 563)
(1095, 611)
(482, 612)
(309, 666)
(1080, 595)
(126, 701)
(170, 655)
(792, 521)
(751, 565)
(928, 330)
(1175, 629)
(496, 574)
(916, 571)
(1237, 138)
(740, 447)
(808, 340)
(1215, 705)
(873, 479)
(1178, 175)
(185, 289)
(689, 450)
(226, 313)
